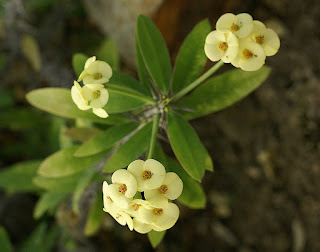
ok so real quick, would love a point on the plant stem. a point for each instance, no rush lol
(154, 133)
(198, 81)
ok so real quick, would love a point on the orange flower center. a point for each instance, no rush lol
(122, 189)
(234, 27)
(223, 46)
(248, 54)
(259, 39)
(146, 175)
(157, 211)
(163, 189)
(136, 206)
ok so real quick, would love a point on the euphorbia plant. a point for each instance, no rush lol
(133, 113)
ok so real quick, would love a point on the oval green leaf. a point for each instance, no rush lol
(105, 140)
(126, 83)
(156, 237)
(187, 146)
(154, 52)
(130, 150)
(64, 163)
(193, 195)
(5, 243)
(222, 91)
(78, 62)
(95, 216)
(58, 101)
(18, 178)
(191, 58)
(108, 52)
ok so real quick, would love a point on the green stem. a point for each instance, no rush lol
(154, 133)
(198, 81)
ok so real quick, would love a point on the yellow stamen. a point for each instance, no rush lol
(259, 39)
(122, 189)
(163, 189)
(97, 76)
(146, 175)
(157, 211)
(248, 54)
(136, 206)
(223, 46)
(234, 27)
(96, 94)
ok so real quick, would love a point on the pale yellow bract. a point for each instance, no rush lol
(143, 215)
(241, 41)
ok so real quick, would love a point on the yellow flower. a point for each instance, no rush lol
(266, 37)
(171, 189)
(240, 25)
(250, 57)
(95, 72)
(149, 174)
(93, 96)
(221, 45)
(160, 219)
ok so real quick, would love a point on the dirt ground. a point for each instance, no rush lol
(264, 194)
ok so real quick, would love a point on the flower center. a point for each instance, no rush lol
(259, 39)
(234, 27)
(122, 189)
(146, 175)
(248, 54)
(157, 211)
(163, 189)
(223, 46)
(97, 76)
(96, 94)
(136, 206)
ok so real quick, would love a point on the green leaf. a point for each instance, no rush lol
(105, 140)
(193, 195)
(154, 52)
(41, 239)
(49, 201)
(18, 178)
(126, 83)
(64, 163)
(122, 101)
(222, 91)
(78, 62)
(95, 216)
(108, 52)
(5, 243)
(82, 134)
(130, 150)
(191, 58)
(31, 51)
(63, 184)
(58, 101)
(141, 67)
(187, 146)
(156, 237)
(82, 184)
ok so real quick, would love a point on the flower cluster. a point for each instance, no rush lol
(93, 94)
(121, 198)
(241, 41)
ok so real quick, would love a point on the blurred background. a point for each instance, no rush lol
(264, 194)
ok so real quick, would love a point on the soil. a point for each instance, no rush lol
(264, 192)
